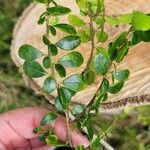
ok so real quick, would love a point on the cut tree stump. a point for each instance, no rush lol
(138, 60)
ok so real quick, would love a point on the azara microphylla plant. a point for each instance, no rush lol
(102, 62)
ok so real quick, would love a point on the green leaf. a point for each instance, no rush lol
(53, 50)
(51, 140)
(76, 21)
(143, 35)
(33, 69)
(66, 28)
(65, 96)
(115, 88)
(101, 64)
(47, 62)
(48, 118)
(135, 39)
(125, 18)
(58, 10)
(40, 1)
(74, 82)
(41, 20)
(80, 148)
(49, 85)
(69, 42)
(71, 60)
(52, 30)
(61, 70)
(105, 85)
(122, 52)
(29, 53)
(89, 77)
(84, 35)
(101, 36)
(53, 20)
(113, 47)
(121, 75)
(141, 21)
(58, 104)
(46, 40)
(78, 109)
(111, 20)
(95, 144)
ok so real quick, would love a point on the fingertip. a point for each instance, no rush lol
(79, 139)
(60, 128)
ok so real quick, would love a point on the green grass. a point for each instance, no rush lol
(132, 130)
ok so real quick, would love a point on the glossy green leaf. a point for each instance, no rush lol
(33, 69)
(125, 18)
(115, 88)
(89, 77)
(53, 50)
(49, 85)
(104, 85)
(69, 42)
(41, 20)
(48, 118)
(65, 96)
(101, 64)
(46, 40)
(78, 109)
(66, 28)
(84, 35)
(135, 39)
(101, 36)
(71, 60)
(74, 82)
(143, 35)
(58, 104)
(122, 52)
(29, 53)
(52, 30)
(58, 10)
(47, 62)
(76, 21)
(121, 75)
(141, 21)
(61, 70)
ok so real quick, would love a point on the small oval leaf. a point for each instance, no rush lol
(52, 49)
(47, 62)
(74, 82)
(33, 69)
(69, 42)
(71, 60)
(89, 77)
(29, 53)
(66, 28)
(48, 118)
(61, 70)
(101, 64)
(49, 85)
(78, 109)
(115, 88)
(121, 75)
(58, 10)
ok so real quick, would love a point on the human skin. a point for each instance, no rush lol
(16, 130)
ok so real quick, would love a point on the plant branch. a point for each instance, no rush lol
(68, 127)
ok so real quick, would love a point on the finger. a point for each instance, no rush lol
(44, 148)
(60, 127)
(16, 126)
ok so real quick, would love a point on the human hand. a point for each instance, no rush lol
(16, 130)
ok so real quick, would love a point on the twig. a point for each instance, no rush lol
(68, 127)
